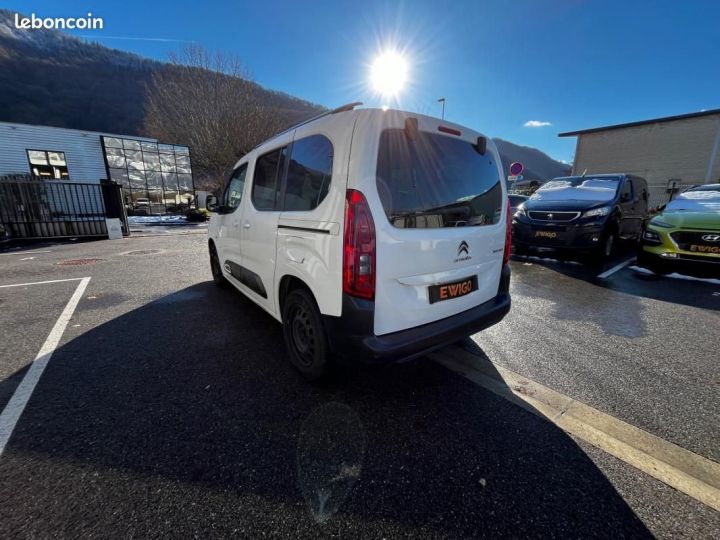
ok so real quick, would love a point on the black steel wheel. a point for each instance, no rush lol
(304, 334)
(216, 270)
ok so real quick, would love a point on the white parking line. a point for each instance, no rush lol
(608, 273)
(16, 405)
(41, 282)
(686, 471)
(25, 252)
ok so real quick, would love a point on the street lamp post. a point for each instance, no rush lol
(442, 100)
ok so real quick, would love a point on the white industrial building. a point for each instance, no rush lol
(671, 153)
(66, 182)
(77, 154)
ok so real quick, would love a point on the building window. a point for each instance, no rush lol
(48, 164)
(156, 178)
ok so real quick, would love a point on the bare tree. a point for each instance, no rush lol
(209, 102)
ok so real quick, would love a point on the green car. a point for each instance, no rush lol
(685, 237)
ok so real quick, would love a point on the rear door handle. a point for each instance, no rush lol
(246, 225)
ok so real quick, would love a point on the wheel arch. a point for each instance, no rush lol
(287, 284)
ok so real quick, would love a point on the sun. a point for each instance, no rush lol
(388, 73)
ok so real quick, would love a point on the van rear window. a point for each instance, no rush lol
(436, 181)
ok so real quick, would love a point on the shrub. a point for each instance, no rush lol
(197, 215)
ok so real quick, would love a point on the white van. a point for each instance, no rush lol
(369, 234)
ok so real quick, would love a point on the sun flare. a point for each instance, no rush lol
(388, 73)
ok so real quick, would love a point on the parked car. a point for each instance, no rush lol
(586, 213)
(686, 235)
(370, 235)
(515, 201)
(142, 203)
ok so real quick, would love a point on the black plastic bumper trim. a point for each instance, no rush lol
(352, 338)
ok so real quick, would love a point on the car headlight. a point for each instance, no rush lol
(520, 210)
(652, 237)
(660, 223)
(597, 212)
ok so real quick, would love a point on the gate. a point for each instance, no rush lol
(35, 209)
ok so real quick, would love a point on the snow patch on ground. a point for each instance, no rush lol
(142, 220)
(675, 275)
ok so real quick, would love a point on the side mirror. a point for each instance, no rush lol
(211, 203)
(625, 197)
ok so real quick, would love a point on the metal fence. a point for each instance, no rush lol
(45, 209)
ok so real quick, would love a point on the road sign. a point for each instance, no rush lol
(516, 168)
(515, 178)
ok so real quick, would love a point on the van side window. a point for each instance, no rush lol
(627, 190)
(309, 173)
(266, 180)
(234, 190)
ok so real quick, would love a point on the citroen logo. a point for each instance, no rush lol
(463, 248)
(711, 237)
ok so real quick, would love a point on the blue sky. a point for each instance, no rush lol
(499, 64)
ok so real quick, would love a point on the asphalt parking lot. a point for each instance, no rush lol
(168, 409)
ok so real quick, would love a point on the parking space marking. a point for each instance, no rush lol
(16, 405)
(616, 268)
(26, 252)
(681, 469)
(41, 282)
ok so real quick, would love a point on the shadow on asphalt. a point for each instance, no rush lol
(183, 417)
(684, 292)
(581, 300)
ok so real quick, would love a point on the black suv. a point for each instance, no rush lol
(586, 213)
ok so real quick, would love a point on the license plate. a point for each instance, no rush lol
(456, 289)
(545, 234)
(699, 248)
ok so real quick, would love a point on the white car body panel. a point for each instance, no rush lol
(280, 244)
(409, 260)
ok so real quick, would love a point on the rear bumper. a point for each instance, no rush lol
(352, 339)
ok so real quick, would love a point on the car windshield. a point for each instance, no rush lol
(696, 200)
(578, 189)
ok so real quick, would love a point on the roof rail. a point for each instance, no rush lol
(342, 108)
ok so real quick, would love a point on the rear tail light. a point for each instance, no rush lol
(508, 235)
(358, 247)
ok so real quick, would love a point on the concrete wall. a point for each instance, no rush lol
(83, 150)
(678, 149)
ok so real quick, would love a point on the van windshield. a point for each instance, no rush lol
(578, 189)
(436, 181)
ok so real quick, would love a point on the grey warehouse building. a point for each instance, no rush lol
(671, 153)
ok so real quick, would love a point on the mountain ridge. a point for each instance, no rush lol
(50, 78)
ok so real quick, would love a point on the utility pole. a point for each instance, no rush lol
(442, 100)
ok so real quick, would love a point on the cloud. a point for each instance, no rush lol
(132, 38)
(536, 124)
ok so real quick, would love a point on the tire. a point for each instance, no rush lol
(304, 333)
(218, 277)
(607, 246)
